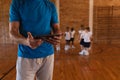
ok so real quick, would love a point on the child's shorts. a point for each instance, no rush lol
(87, 44)
(82, 42)
(67, 41)
(72, 39)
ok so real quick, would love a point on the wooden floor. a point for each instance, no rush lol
(102, 64)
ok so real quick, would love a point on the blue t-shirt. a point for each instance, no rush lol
(35, 16)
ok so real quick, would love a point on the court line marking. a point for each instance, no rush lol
(7, 72)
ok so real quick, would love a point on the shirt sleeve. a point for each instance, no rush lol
(54, 17)
(14, 11)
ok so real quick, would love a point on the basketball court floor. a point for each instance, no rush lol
(103, 63)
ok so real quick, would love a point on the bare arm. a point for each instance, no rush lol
(14, 33)
(79, 36)
(56, 29)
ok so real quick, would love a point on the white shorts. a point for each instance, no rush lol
(40, 68)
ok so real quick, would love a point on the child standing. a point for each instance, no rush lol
(87, 36)
(81, 32)
(72, 34)
(67, 38)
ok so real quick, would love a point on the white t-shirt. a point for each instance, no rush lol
(67, 35)
(87, 36)
(81, 32)
(72, 34)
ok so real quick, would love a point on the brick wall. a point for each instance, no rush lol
(107, 2)
(73, 13)
(106, 21)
